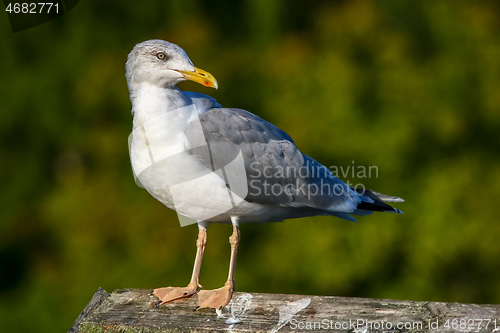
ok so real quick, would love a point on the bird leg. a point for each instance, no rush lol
(168, 294)
(218, 298)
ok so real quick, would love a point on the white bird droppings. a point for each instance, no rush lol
(288, 311)
(231, 321)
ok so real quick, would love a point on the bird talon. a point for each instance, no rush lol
(196, 308)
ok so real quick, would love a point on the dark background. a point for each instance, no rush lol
(410, 87)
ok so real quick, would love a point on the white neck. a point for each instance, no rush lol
(149, 101)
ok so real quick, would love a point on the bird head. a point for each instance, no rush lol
(163, 64)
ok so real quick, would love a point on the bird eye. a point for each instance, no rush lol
(161, 55)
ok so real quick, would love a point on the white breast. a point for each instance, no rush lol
(161, 160)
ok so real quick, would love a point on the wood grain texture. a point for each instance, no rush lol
(94, 303)
(135, 310)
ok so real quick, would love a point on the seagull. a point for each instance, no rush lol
(222, 165)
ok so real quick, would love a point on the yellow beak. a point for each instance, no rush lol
(200, 76)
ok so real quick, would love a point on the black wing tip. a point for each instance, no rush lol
(378, 206)
(378, 201)
(394, 210)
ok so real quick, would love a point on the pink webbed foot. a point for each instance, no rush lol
(216, 298)
(169, 294)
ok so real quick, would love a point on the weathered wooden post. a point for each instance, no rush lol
(135, 310)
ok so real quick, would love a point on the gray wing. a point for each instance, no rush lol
(202, 101)
(277, 172)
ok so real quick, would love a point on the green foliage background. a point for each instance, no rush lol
(412, 87)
